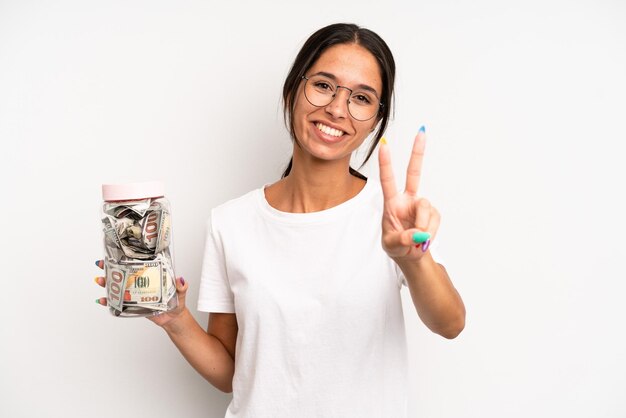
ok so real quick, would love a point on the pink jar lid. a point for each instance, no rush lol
(132, 191)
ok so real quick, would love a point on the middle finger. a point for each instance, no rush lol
(422, 215)
(100, 281)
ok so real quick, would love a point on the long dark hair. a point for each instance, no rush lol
(335, 34)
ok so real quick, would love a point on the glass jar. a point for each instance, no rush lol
(138, 262)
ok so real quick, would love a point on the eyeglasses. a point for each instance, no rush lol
(321, 91)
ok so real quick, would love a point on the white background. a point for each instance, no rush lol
(524, 107)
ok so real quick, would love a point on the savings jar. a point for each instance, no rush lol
(138, 261)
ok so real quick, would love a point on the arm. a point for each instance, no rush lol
(436, 301)
(210, 352)
(409, 224)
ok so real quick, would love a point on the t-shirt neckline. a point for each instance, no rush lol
(312, 217)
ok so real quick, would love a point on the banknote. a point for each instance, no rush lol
(141, 237)
(156, 230)
(138, 262)
(139, 287)
(128, 209)
(112, 244)
(133, 283)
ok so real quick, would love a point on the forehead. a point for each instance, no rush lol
(351, 64)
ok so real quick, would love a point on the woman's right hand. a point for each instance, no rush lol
(160, 318)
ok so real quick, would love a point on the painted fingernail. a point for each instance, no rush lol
(419, 237)
(383, 140)
(98, 263)
(425, 246)
(97, 279)
(423, 129)
(182, 281)
(98, 301)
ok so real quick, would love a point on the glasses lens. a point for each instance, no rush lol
(363, 105)
(320, 91)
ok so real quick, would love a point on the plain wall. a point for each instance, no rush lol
(524, 109)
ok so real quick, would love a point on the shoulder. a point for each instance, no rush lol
(235, 209)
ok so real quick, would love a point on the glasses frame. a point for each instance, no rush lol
(337, 87)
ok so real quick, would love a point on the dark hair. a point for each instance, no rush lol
(340, 33)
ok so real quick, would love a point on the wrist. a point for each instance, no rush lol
(176, 323)
(415, 269)
(407, 261)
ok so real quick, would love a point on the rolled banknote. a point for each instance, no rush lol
(156, 230)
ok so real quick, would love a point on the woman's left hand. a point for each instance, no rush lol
(406, 216)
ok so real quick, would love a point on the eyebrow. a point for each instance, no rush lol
(358, 87)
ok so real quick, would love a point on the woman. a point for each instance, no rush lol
(305, 309)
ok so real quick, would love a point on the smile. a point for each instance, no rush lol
(328, 130)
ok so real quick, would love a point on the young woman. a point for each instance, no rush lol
(301, 278)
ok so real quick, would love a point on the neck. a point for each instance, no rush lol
(315, 185)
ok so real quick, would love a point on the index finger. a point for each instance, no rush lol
(387, 180)
(414, 171)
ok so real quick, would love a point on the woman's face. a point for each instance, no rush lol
(351, 66)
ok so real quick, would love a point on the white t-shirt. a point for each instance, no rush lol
(321, 328)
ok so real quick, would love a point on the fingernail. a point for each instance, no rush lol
(423, 129)
(383, 140)
(182, 281)
(96, 279)
(419, 237)
(98, 301)
(98, 263)
(425, 246)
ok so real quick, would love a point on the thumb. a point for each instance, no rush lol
(181, 289)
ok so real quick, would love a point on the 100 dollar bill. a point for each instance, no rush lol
(139, 284)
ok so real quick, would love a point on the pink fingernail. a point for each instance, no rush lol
(425, 246)
(182, 281)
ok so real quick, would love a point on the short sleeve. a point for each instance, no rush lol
(215, 294)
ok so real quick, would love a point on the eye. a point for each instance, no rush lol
(323, 86)
(362, 99)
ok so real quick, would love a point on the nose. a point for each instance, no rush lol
(338, 107)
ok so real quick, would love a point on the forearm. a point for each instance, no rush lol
(203, 351)
(436, 300)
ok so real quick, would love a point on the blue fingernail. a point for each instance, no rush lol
(98, 263)
(423, 129)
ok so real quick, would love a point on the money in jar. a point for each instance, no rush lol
(139, 256)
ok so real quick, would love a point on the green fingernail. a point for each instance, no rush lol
(419, 237)
(98, 301)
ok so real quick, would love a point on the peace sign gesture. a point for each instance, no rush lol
(409, 222)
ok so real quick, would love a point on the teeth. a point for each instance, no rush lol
(328, 130)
